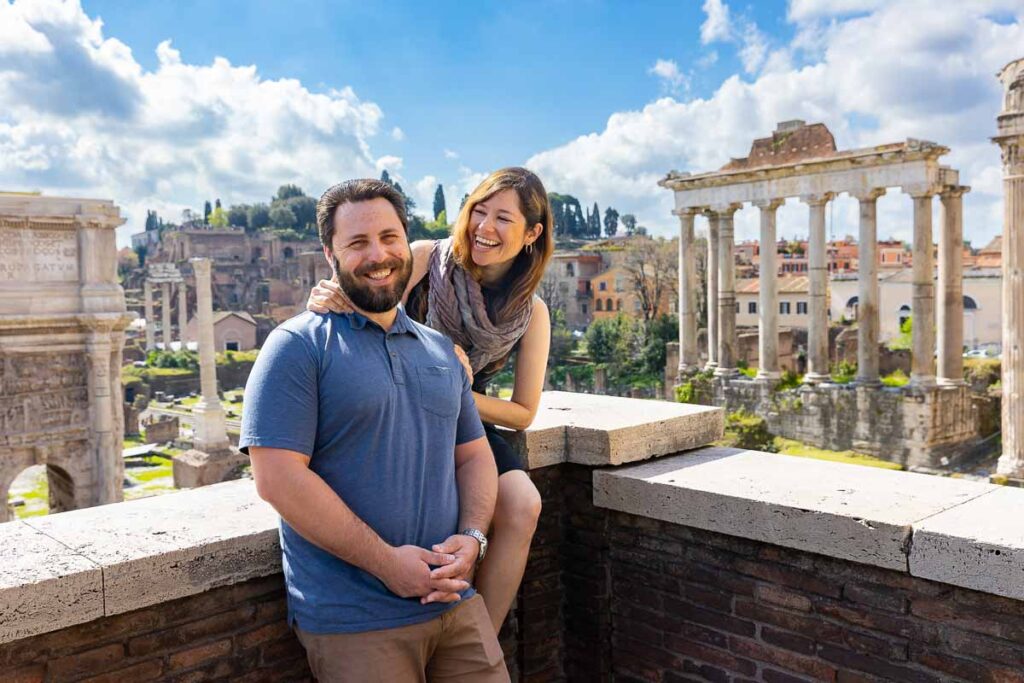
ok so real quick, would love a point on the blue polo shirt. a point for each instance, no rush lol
(379, 414)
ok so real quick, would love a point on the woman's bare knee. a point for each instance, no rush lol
(519, 504)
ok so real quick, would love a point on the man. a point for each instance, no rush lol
(364, 436)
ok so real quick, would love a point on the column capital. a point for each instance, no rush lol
(687, 212)
(817, 199)
(868, 195)
(922, 191)
(768, 204)
(726, 210)
(951, 191)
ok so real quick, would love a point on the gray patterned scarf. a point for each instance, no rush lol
(456, 308)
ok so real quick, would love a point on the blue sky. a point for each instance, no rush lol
(163, 105)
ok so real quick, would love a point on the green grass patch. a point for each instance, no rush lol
(505, 392)
(802, 450)
(897, 378)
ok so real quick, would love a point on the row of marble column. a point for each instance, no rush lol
(165, 310)
(721, 293)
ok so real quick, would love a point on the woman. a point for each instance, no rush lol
(478, 287)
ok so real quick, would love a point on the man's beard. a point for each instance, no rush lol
(375, 299)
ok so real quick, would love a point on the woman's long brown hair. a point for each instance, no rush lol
(528, 268)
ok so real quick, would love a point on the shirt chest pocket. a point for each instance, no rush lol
(439, 393)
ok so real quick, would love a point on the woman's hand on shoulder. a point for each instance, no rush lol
(464, 359)
(327, 295)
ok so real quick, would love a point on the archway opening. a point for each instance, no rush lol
(29, 494)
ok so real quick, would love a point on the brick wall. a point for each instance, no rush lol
(236, 633)
(645, 600)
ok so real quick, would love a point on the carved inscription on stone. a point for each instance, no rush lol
(42, 396)
(38, 255)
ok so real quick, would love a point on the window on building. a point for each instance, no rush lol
(602, 286)
(231, 346)
(570, 270)
(784, 307)
(608, 304)
(583, 308)
(970, 304)
(618, 305)
(598, 307)
(801, 308)
(636, 304)
(737, 306)
(752, 307)
(618, 284)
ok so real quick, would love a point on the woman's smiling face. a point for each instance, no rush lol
(498, 229)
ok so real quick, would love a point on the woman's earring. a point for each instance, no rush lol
(529, 248)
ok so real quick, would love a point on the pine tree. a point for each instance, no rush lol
(611, 222)
(629, 223)
(439, 206)
(207, 210)
(216, 204)
(385, 177)
(579, 225)
(595, 222)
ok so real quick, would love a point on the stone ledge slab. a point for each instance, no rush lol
(43, 585)
(166, 547)
(977, 545)
(591, 429)
(850, 512)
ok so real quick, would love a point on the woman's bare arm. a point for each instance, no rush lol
(531, 365)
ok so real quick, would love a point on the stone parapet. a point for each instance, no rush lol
(950, 530)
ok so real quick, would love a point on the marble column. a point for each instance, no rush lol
(726, 291)
(922, 340)
(687, 293)
(950, 294)
(210, 427)
(867, 289)
(182, 312)
(165, 313)
(108, 463)
(817, 329)
(1011, 143)
(712, 291)
(768, 297)
(147, 293)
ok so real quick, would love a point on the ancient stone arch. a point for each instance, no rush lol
(62, 321)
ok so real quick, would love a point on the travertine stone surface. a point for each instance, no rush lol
(590, 429)
(712, 291)
(978, 545)
(855, 513)
(922, 358)
(817, 328)
(43, 585)
(768, 300)
(688, 353)
(166, 547)
(867, 289)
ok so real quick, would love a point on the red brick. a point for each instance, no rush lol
(190, 632)
(186, 659)
(789, 641)
(281, 650)
(962, 668)
(705, 671)
(81, 664)
(716, 620)
(949, 613)
(794, 578)
(263, 634)
(144, 671)
(893, 649)
(782, 658)
(985, 602)
(712, 655)
(773, 676)
(877, 621)
(847, 659)
(774, 595)
(810, 626)
(881, 597)
(985, 648)
(691, 633)
(655, 655)
(34, 673)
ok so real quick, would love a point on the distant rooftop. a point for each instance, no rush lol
(792, 141)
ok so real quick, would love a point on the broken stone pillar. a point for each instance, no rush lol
(950, 312)
(922, 358)
(165, 313)
(726, 292)
(867, 294)
(768, 298)
(687, 293)
(817, 330)
(600, 380)
(212, 457)
(712, 291)
(1011, 142)
(182, 312)
(147, 290)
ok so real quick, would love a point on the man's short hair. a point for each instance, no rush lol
(351, 191)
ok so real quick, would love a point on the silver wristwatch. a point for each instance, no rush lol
(479, 536)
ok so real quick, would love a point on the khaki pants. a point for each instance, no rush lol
(460, 645)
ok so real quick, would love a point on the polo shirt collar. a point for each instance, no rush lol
(402, 324)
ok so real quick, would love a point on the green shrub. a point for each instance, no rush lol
(983, 372)
(897, 378)
(844, 372)
(748, 372)
(696, 388)
(789, 380)
(746, 430)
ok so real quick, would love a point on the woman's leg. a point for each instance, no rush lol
(515, 520)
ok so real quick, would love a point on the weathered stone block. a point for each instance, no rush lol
(856, 513)
(43, 585)
(978, 545)
(197, 468)
(162, 430)
(157, 549)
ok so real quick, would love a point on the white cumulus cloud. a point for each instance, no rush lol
(82, 116)
(673, 80)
